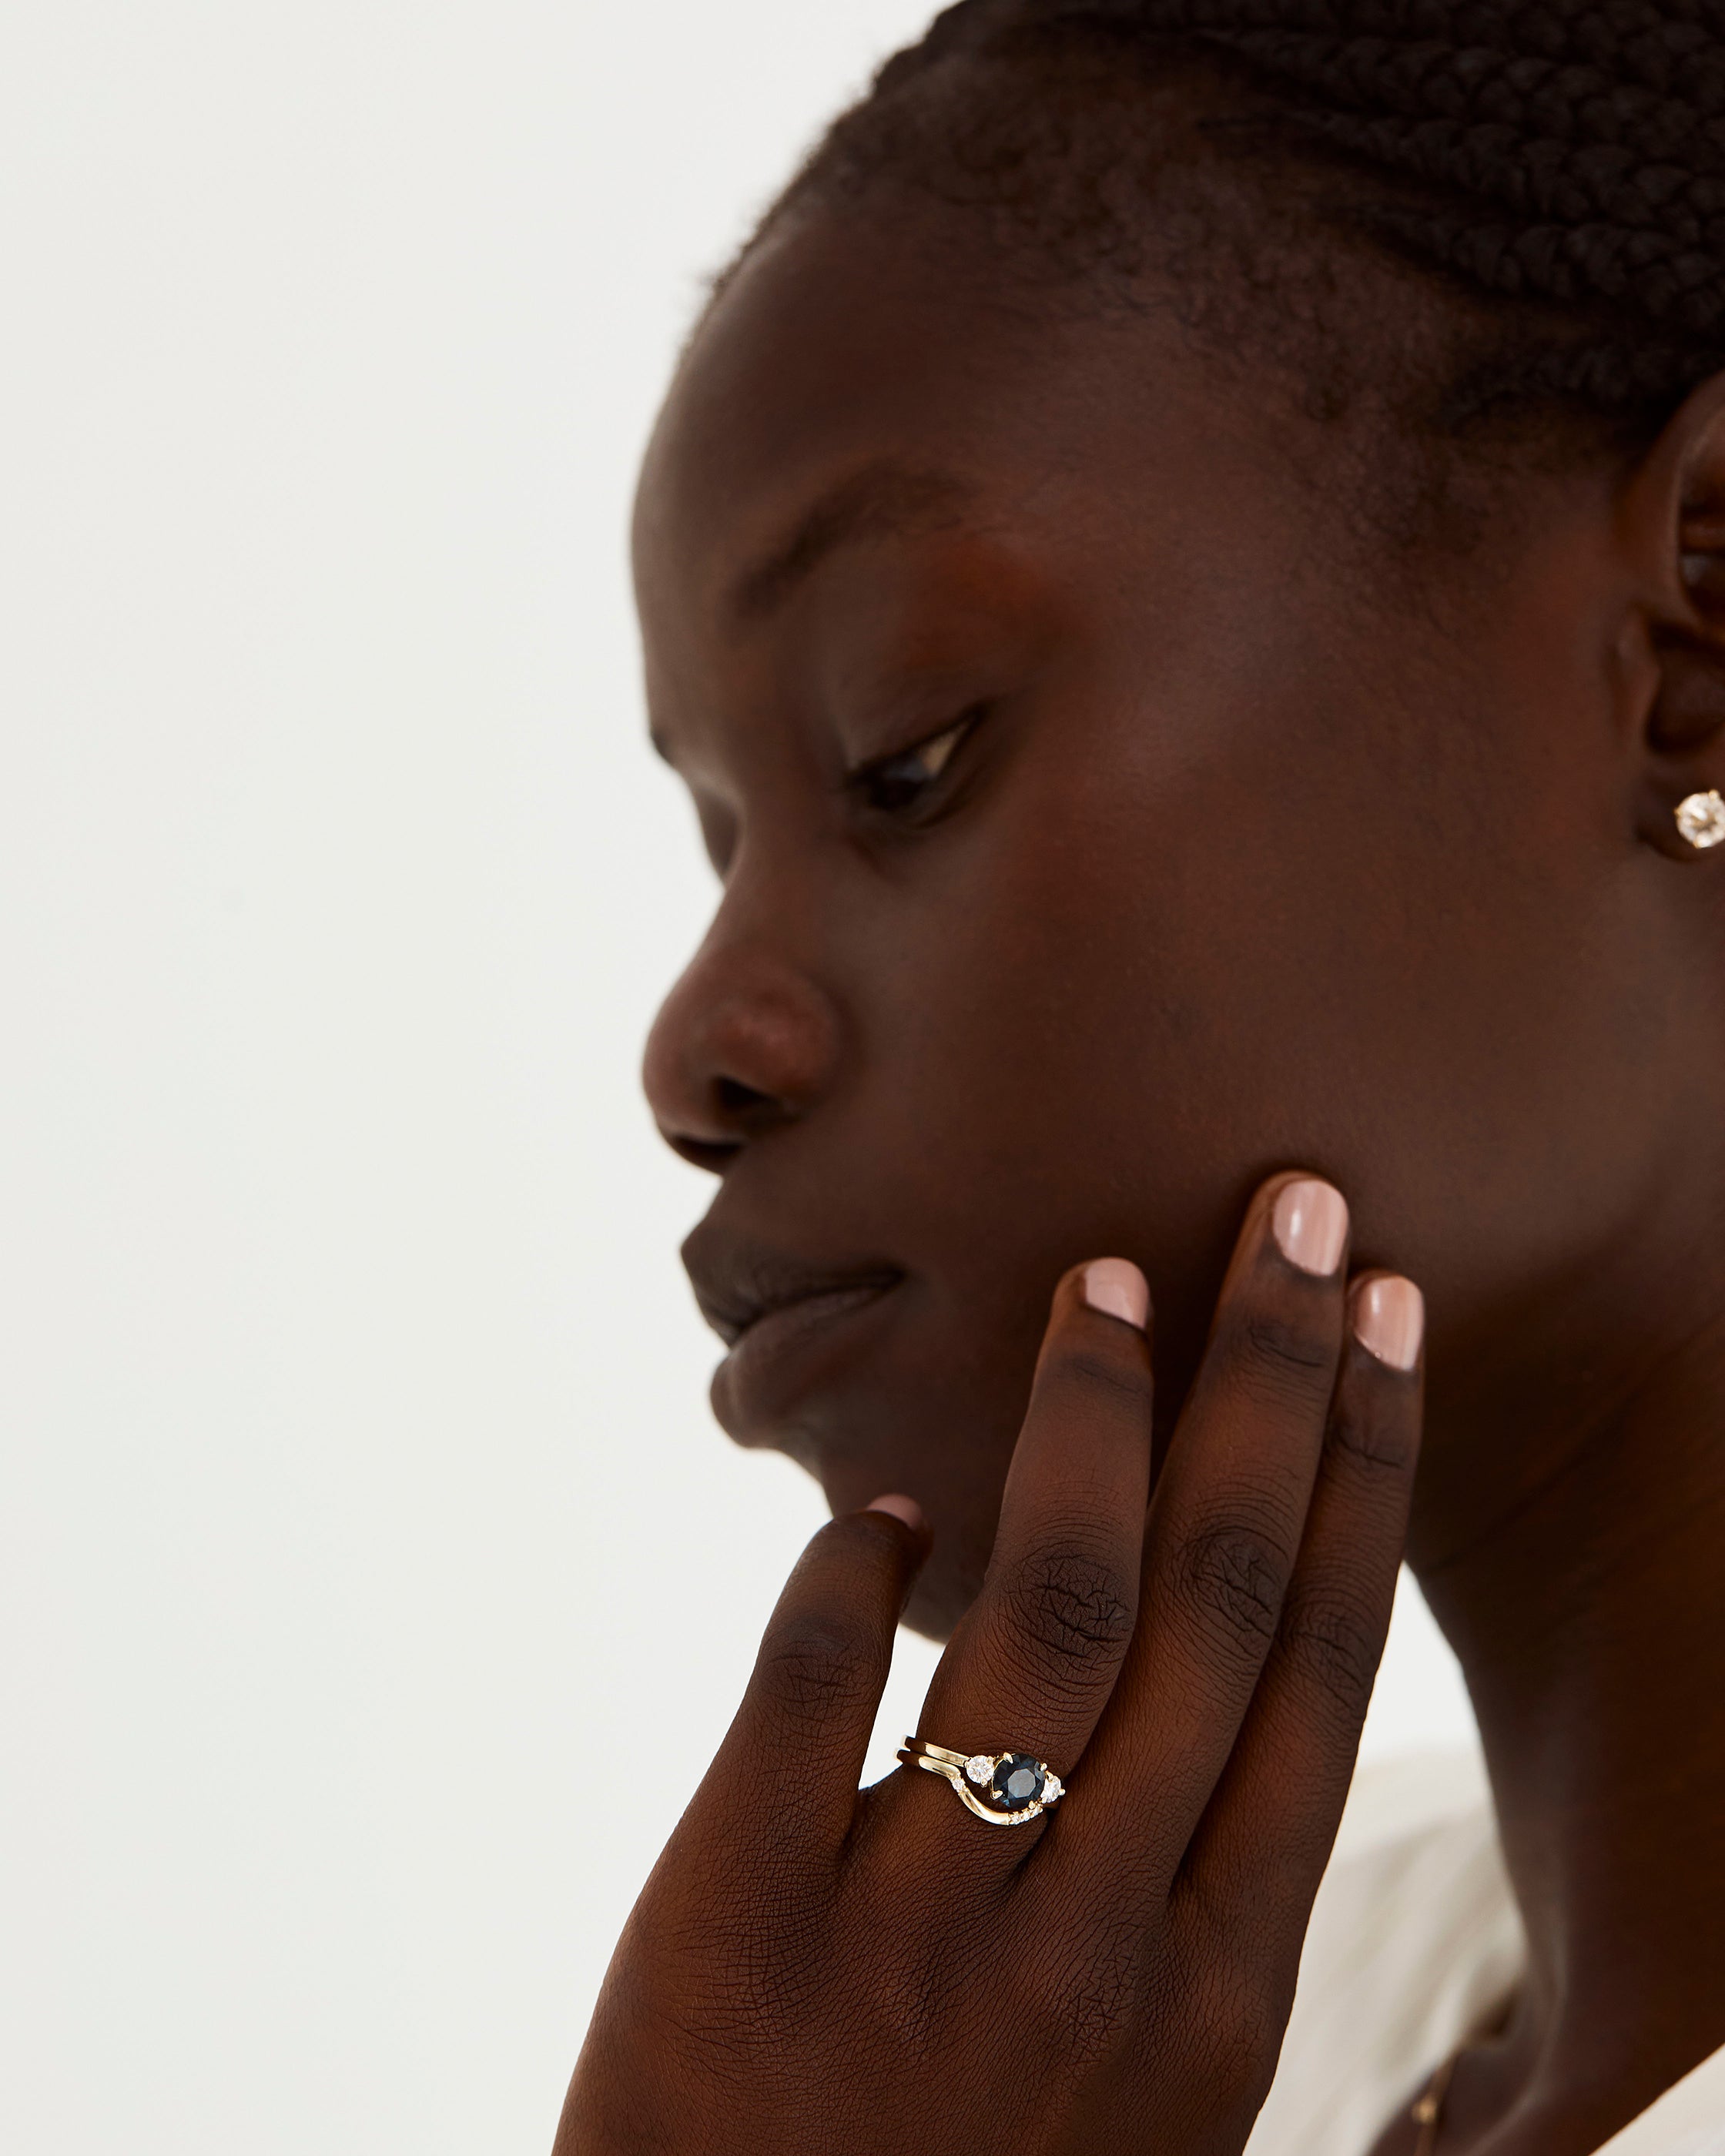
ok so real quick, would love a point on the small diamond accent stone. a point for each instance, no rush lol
(980, 1768)
(1053, 1789)
(1702, 820)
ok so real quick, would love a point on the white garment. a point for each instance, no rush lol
(1414, 1942)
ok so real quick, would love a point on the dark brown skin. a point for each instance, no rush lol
(1265, 851)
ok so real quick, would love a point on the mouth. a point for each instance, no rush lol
(772, 1310)
(741, 1286)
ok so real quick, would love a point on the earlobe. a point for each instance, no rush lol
(1677, 503)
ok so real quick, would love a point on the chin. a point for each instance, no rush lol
(897, 1421)
(917, 1386)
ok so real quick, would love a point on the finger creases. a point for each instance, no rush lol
(1033, 1664)
(1225, 1528)
(1275, 1810)
(796, 1749)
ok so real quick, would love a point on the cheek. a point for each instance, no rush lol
(1136, 997)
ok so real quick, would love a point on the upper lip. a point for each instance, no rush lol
(737, 1280)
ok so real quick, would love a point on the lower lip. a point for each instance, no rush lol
(778, 1359)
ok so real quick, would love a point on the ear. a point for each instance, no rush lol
(1675, 656)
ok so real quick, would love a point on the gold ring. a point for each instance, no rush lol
(1018, 1787)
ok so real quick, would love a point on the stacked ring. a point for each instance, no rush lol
(1006, 1788)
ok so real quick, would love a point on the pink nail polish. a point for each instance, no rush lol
(1311, 1226)
(900, 1508)
(1389, 1322)
(1115, 1286)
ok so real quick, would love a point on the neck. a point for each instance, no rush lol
(1588, 1608)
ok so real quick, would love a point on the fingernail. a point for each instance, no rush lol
(1311, 1226)
(1115, 1286)
(900, 1508)
(1390, 1320)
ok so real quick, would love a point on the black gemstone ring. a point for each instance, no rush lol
(1006, 1788)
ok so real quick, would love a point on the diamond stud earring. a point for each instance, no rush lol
(1702, 820)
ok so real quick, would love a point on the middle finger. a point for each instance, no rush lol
(1224, 1528)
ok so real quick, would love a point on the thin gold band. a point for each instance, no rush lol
(937, 1753)
(969, 1772)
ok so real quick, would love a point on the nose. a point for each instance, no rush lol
(745, 1043)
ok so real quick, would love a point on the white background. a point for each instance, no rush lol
(373, 1585)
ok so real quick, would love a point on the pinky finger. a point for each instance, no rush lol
(1265, 1838)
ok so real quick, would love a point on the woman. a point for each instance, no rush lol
(1184, 571)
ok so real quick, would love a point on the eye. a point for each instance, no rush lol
(896, 784)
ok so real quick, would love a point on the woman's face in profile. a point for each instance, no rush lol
(1111, 813)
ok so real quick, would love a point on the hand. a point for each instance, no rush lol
(811, 1968)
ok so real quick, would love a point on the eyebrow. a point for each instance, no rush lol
(882, 500)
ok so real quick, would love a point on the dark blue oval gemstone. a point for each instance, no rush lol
(1017, 1783)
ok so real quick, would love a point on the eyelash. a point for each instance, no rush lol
(886, 788)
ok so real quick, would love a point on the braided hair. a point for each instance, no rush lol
(1557, 165)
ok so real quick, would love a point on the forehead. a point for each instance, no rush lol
(848, 385)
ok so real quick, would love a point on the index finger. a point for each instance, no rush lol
(787, 1771)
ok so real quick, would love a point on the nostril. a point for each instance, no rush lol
(736, 1099)
(747, 1111)
(730, 1116)
(701, 1153)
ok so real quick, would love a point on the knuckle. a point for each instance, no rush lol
(1094, 1999)
(910, 2010)
(1283, 1357)
(1123, 1377)
(1337, 1644)
(1235, 1575)
(1072, 1607)
(1247, 2032)
(814, 1672)
(1382, 1446)
(1235, 1999)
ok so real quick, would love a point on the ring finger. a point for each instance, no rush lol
(1031, 1667)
